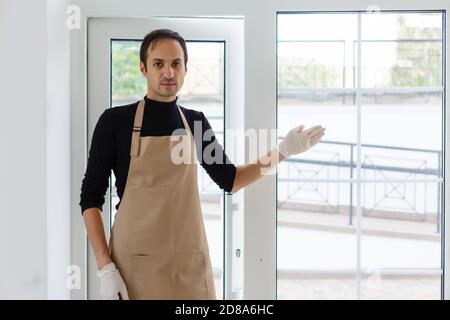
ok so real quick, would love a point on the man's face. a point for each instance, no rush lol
(165, 70)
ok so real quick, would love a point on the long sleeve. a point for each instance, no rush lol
(215, 161)
(99, 165)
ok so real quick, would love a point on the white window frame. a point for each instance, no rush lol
(358, 181)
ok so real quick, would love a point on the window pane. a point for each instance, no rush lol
(310, 56)
(401, 135)
(401, 225)
(312, 63)
(401, 240)
(316, 245)
(410, 45)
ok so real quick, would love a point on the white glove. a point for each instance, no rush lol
(298, 140)
(111, 283)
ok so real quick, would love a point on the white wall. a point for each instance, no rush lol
(23, 147)
(35, 161)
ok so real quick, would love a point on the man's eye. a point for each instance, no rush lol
(157, 64)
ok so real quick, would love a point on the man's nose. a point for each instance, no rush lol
(168, 72)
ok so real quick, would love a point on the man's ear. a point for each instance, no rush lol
(143, 69)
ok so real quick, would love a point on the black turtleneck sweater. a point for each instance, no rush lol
(111, 142)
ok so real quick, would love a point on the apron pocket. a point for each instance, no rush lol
(151, 277)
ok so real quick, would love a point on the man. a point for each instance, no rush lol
(158, 248)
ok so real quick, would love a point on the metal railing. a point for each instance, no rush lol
(423, 169)
(351, 164)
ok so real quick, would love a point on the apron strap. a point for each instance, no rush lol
(186, 126)
(136, 135)
(189, 132)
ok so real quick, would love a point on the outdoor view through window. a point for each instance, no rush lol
(394, 250)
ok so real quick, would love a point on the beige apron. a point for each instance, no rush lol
(158, 239)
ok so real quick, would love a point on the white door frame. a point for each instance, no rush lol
(100, 33)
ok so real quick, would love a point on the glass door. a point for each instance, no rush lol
(114, 80)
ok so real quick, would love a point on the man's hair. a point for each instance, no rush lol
(152, 39)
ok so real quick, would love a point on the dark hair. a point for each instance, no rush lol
(156, 35)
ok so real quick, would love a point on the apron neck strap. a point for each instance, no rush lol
(186, 126)
(136, 135)
(135, 138)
